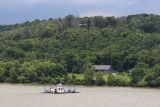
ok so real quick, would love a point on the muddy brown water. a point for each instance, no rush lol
(20, 95)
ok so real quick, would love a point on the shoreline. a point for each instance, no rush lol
(38, 84)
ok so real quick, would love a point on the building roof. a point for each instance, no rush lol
(102, 67)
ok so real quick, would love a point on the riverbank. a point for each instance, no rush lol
(120, 79)
(81, 85)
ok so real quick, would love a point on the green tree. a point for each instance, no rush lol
(29, 72)
(58, 80)
(13, 75)
(74, 79)
(88, 76)
(14, 52)
(99, 78)
(88, 23)
(111, 80)
(70, 22)
(137, 75)
(71, 60)
(2, 74)
(111, 21)
(47, 32)
(152, 78)
(99, 21)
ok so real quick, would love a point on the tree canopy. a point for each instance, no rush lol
(31, 51)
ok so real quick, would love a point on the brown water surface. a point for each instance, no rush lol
(20, 95)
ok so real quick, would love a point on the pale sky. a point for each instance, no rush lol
(19, 11)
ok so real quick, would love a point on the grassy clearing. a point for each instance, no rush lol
(78, 76)
(121, 77)
(81, 76)
(127, 78)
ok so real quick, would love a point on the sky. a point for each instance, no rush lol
(19, 11)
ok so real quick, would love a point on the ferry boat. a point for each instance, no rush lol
(59, 90)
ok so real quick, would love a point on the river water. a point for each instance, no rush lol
(20, 95)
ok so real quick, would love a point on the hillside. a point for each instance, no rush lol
(34, 51)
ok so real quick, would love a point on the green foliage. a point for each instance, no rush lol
(47, 32)
(111, 21)
(2, 74)
(22, 79)
(137, 74)
(111, 80)
(13, 75)
(152, 78)
(74, 80)
(29, 72)
(14, 52)
(88, 76)
(44, 80)
(99, 21)
(58, 80)
(118, 80)
(44, 51)
(99, 80)
(78, 76)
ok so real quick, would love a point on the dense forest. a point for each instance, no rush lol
(45, 51)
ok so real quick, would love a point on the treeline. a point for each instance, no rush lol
(47, 50)
(30, 72)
